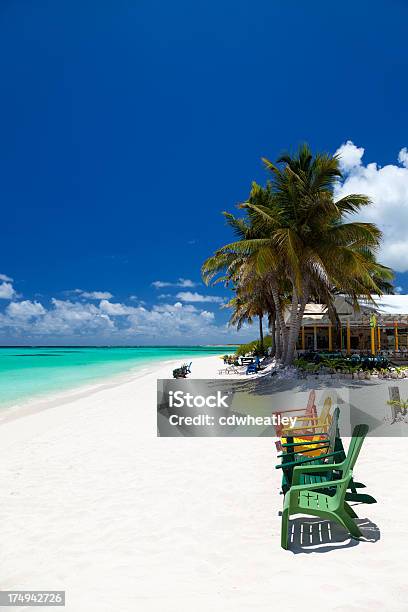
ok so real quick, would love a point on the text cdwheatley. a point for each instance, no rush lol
(234, 420)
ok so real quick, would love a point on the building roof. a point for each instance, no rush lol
(392, 304)
(388, 308)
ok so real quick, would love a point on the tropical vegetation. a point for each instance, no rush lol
(255, 347)
(295, 243)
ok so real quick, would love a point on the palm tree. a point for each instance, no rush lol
(250, 261)
(251, 300)
(301, 242)
(244, 311)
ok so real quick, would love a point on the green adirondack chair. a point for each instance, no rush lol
(306, 498)
(332, 448)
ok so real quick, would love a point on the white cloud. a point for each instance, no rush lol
(173, 320)
(109, 322)
(116, 309)
(182, 282)
(25, 309)
(93, 295)
(6, 291)
(67, 317)
(387, 187)
(350, 156)
(61, 318)
(188, 296)
(209, 316)
(7, 279)
(403, 157)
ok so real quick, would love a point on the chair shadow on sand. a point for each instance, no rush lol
(313, 535)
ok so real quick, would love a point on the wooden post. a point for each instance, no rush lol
(396, 334)
(303, 337)
(379, 338)
(348, 337)
(372, 330)
(330, 338)
(341, 338)
(315, 337)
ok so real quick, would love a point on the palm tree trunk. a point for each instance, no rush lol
(272, 331)
(278, 340)
(261, 336)
(297, 313)
(279, 313)
(292, 323)
(295, 333)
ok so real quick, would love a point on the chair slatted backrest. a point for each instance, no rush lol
(323, 421)
(333, 430)
(311, 404)
(325, 416)
(359, 433)
(310, 412)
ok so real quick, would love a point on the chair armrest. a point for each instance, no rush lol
(289, 410)
(320, 485)
(306, 436)
(305, 443)
(298, 470)
(305, 450)
(291, 432)
(308, 460)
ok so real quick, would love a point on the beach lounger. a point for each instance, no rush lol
(183, 371)
(254, 367)
(232, 369)
(308, 498)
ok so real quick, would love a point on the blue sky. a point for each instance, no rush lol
(127, 127)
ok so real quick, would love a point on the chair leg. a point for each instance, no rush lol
(350, 525)
(284, 528)
(350, 510)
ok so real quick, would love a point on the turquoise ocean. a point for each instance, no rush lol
(32, 372)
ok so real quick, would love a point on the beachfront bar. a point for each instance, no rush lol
(367, 329)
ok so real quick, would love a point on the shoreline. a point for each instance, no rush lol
(52, 400)
(49, 378)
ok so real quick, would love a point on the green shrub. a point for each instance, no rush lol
(254, 347)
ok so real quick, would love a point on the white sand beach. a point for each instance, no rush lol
(94, 503)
